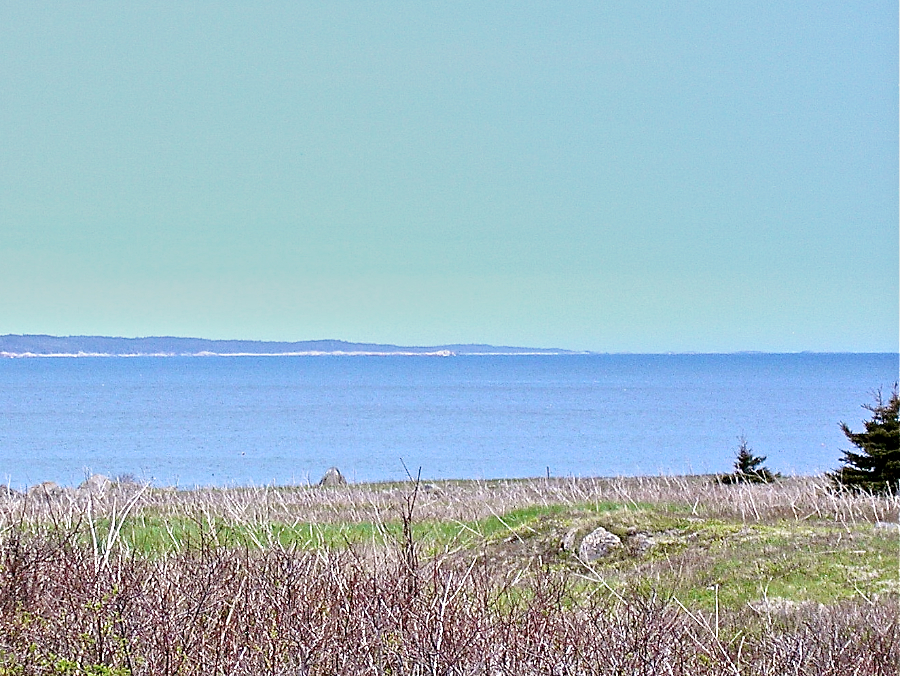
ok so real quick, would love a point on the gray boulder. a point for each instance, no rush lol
(598, 544)
(333, 477)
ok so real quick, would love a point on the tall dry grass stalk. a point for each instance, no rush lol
(795, 499)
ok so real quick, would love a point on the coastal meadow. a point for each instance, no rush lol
(463, 577)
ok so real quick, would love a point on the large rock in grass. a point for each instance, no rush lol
(333, 477)
(598, 544)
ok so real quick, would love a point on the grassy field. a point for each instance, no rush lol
(453, 578)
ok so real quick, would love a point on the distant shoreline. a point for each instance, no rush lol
(311, 353)
(29, 346)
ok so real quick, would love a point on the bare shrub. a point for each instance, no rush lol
(214, 609)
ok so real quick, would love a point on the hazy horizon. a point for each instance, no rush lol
(617, 178)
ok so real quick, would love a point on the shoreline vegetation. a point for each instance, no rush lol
(637, 575)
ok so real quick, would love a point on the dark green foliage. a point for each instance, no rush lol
(747, 467)
(874, 465)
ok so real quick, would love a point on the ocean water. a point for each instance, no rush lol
(261, 420)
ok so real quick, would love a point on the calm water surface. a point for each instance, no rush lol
(223, 420)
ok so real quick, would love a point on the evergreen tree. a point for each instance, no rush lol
(747, 467)
(875, 466)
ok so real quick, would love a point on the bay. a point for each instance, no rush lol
(259, 420)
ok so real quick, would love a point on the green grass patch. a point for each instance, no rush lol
(702, 562)
(154, 534)
(736, 565)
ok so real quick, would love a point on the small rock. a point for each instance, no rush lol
(598, 544)
(570, 539)
(96, 483)
(640, 543)
(783, 607)
(333, 477)
(47, 489)
(887, 525)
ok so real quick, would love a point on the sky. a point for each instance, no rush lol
(608, 176)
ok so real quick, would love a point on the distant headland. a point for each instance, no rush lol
(12, 345)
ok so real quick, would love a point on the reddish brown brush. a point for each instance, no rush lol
(71, 605)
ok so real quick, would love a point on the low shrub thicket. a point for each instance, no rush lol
(219, 610)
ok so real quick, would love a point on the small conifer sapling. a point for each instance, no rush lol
(748, 467)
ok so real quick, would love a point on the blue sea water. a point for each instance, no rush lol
(260, 420)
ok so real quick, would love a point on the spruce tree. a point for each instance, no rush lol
(747, 467)
(874, 465)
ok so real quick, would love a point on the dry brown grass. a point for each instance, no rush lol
(797, 499)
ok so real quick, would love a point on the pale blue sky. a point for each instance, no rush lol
(612, 176)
